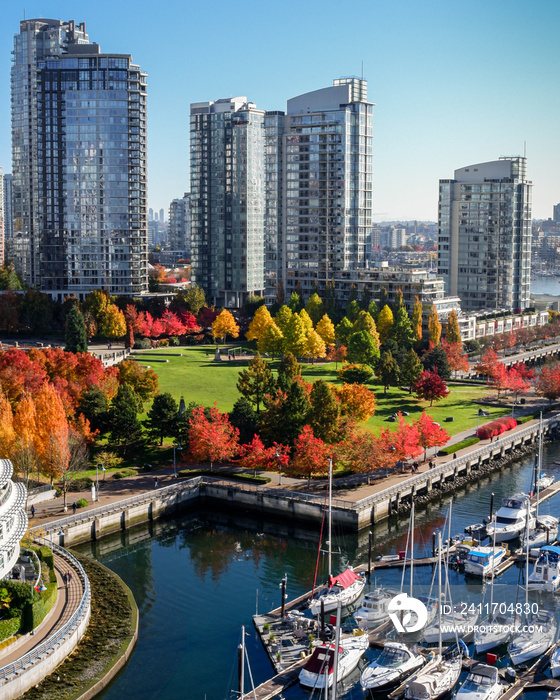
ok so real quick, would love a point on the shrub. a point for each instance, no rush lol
(123, 473)
(42, 602)
(142, 344)
(496, 427)
(174, 340)
(9, 627)
(44, 553)
(82, 484)
(467, 442)
(163, 343)
(355, 374)
(82, 503)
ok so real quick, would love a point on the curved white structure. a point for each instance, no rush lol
(13, 518)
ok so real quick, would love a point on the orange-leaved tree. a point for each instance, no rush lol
(7, 433)
(52, 435)
(25, 453)
(356, 401)
(211, 439)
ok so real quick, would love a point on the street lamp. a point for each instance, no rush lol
(97, 479)
(175, 447)
(277, 455)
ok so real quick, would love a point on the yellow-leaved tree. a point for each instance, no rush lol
(113, 322)
(325, 328)
(434, 327)
(315, 345)
(385, 323)
(261, 321)
(417, 320)
(225, 325)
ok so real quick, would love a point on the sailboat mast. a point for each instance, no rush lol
(527, 557)
(439, 594)
(493, 565)
(241, 663)
(539, 468)
(411, 547)
(336, 648)
(330, 516)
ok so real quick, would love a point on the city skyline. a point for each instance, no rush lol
(451, 87)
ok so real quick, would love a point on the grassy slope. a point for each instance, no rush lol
(196, 377)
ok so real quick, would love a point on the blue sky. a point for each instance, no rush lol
(455, 83)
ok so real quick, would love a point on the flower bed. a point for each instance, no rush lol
(496, 427)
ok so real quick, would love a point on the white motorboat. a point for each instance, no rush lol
(347, 587)
(454, 623)
(546, 571)
(546, 532)
(537, 637)
(544, 482)
(439, 676)
(318, 672)
(482, 683)
(373, 609)
(482, 561)
(494, 631)
(555, 662)
(511, 519)
(392, 667)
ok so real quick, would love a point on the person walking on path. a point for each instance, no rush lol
(67, 578)
(156, 483)
(32, 511)
(74, 507)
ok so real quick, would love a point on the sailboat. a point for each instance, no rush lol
(496, 628)
(439, 676)
(539, 631)
(546, 571)
(345, 588)
(332, 662)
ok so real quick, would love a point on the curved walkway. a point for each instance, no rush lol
(67, 602)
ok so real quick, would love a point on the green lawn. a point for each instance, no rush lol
(197, 378)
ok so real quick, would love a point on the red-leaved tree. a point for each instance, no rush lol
(430, 387)
(310, 456)
(404, 441)
(456, 358)
(548, 381)
(430, 433)
(254, 455)
(211, 439)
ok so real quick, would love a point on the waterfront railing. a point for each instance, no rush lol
(39, 652)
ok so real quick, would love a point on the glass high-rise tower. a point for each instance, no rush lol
(79, 163)
(484, 235)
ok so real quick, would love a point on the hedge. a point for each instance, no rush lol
(496, 427)
(234, 477)
(123, 473)
(9, 627)
(42, 603)
(467, 442)
(44, 553)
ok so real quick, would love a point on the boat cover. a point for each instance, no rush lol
(319, 663)
(551, 550)
(345, 579)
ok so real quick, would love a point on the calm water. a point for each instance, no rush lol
(198, 579)
(546, 285)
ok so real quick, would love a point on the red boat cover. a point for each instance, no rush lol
(345, 579)
(319, 663)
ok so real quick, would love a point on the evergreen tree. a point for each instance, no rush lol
(315, 308)
(244, 418)
(296, 410)
(76, 338)
(385, 323)
(125, 426)
(353, 311)
(365, 322)
(295, 302)
(331, 304)
(256, 381)
(387, 371)
(402, 330)
(324, 412)
(411, 369)
(399, 303)
(288, 370)
(365, 298)
(94, 405)
(344, 330)
(162, 417)
(383, 298)
(435, 360)
(373, 310)
(417, 320)
(353, 295)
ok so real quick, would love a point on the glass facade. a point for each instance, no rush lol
(79, 163)
(484, 235)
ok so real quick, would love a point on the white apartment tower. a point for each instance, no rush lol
(484, 235)
(79, 163)
(328, 184)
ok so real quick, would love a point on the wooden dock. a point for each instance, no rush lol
(277, 684)
(551, 491)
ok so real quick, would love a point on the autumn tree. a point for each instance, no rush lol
(193, 298)
(162, 417)
(487, 362)
(355, 374)
(282, 317)
(417, 320)
(272, 340)
(365, 454)
(324, 411)
(356, 401)
(387, 371)
(256, 381)
(325, 328)
(7, 433)
(75, 333)
(452, 333)
(548, 381)
(516, 383)
(143, 380)
(211, 439)
(295, 302)
(295, 336)
(405, 439)
(52, 433)
(225, 325)
(456, 358)
(385, 323)
(430, 433)
(315, 308)
(310, 456)
(25, 454)
(499, 377)
(255, 456)
(431, 387)
(403, 334)
(261, 320)
(434, 327)
(411, 369)
(336, 354)
(315, 346)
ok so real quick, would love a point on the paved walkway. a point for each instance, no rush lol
(68, 600)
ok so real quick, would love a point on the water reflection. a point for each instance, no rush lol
(199, 578)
